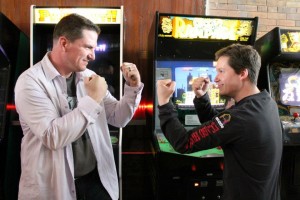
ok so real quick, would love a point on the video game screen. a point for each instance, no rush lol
(289, 41)
(289, 82)
(284, 85)
(183, 73)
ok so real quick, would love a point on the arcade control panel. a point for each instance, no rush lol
(291, 129)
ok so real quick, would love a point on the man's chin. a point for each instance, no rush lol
(83, 67)
(221, 92)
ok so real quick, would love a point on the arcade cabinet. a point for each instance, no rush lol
(4, 84)
(109, 52)
(280, 75)
(184, 49)
(14, 59)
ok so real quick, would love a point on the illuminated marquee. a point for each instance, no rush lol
(205, 28)
(97, 15)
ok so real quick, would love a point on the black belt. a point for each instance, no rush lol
(88, 182)
(88, 176)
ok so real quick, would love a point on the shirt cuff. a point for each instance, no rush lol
(133, 90)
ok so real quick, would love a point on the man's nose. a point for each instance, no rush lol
(216, 78)
(91, 56)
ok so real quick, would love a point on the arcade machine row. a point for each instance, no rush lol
(280, 75)
(109, 50)
(184, 49)
(14, 59)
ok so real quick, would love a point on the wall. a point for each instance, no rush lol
(271, 13)
(139, 16)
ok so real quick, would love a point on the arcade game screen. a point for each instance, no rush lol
(184, 72)
(284, 84)
(290, 41)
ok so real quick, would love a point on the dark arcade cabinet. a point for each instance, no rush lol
(14, 59)
(184, 48)
(4, 84)
(280, 75)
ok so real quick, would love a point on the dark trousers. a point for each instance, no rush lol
(89, 187)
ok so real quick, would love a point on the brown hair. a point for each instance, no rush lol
(71, 26)
(242, 57)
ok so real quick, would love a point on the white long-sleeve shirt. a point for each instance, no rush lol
(50, 127)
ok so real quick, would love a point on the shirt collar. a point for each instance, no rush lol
(48, 67)
(51, 72)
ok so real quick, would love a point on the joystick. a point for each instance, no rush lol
(296, 117)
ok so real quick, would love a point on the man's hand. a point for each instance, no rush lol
(165, 89)
(200, 86)
(96, 87)
(131, 74)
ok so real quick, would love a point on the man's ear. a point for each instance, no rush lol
(244, 74)
(63, 42)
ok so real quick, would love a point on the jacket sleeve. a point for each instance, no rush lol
(202, 105)
(218, 131)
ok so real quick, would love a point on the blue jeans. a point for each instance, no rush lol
(89, 187)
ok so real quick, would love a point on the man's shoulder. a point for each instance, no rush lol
(33, 71)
